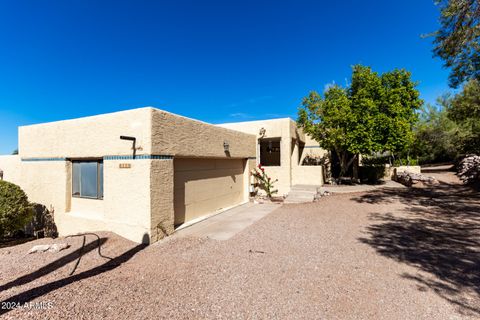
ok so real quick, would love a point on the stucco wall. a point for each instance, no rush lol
(312, 148)
(292, 138)
(273, 127)
(125, 208)
(161, 201)
(46, 172)
(184, 137)
(283, 184)
(138, 200)
(11, 167)
(94, 136)
(413, 169)
(310, 175)
(47, 182)
(44, 182)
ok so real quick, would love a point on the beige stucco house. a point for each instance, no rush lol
(143, 172)
(281, 148)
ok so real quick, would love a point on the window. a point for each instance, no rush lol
(87, 179)
(270, 152)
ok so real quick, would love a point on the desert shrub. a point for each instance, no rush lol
(405, 162)
(15, 210)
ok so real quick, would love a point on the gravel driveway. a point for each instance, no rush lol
(385, 254)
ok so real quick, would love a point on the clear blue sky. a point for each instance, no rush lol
(217, 61)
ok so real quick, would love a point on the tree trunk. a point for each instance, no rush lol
(345, 163)
(355, 168)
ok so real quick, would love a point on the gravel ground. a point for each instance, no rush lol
(389, 254)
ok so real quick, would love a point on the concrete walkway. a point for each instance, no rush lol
(225, 225)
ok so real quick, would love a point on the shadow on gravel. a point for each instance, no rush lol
(57, 264)
(39, 291)
(439, 234)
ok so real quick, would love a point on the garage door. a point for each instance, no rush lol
(204, 186)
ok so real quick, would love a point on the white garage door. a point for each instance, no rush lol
(204, 186)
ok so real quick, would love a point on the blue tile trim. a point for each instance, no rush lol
(43, 159)
(139, 157)
(312, 147)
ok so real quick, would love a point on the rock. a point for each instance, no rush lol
(321, 193)
(56, 247)
(39, 248)
(410, 178)
(468, 170)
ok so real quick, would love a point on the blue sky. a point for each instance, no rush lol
(217, 61)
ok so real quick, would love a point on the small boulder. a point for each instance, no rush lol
(410, 178)
(56, 247)
(39, 248)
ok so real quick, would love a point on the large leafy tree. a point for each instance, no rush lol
(437, 137)
(332, 122)
(457, 41)
(465, 111)
(375, 113)
(398, 107)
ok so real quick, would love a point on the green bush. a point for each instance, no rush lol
(15, 210)
(375, 160)
(372, 174)
(405, 162)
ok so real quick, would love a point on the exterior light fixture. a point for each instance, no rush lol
(262, 132)
(226, 146)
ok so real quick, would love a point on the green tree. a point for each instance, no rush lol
(465, 111)
(398, 105)
(457, 42)
(15, 152)
(375, 113)
(332, 122)
(437, 137)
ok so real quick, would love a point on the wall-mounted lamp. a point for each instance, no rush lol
(262, 132)
(134, 140)
(226, 146)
